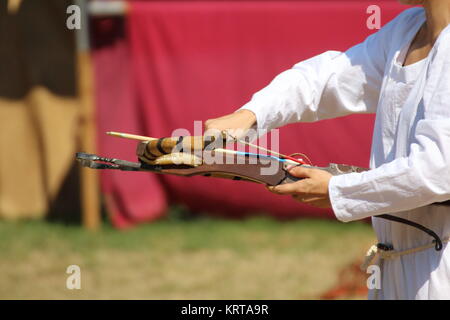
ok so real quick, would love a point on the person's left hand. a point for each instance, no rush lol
(312, 189)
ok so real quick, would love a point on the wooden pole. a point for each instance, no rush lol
(90, 186)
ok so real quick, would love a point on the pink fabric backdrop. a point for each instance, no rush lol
(187, 61)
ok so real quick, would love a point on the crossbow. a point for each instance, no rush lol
(204, 156)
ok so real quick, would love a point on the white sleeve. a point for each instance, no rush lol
(421, 178)
(329, 85)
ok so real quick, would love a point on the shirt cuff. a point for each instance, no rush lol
(338, 200)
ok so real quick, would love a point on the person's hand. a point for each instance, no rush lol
(312, 189)
(237, 124)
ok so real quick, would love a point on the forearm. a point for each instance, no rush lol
(401, 185)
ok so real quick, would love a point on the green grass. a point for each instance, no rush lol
(257, 258)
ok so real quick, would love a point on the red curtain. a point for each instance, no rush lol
(182, 62)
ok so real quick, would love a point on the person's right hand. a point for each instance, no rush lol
(236, 124)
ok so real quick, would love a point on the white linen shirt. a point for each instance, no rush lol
(410, 156)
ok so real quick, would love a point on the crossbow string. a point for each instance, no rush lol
(282, 156)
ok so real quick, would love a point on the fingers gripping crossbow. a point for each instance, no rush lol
(199, 156)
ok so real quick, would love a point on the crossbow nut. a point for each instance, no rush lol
(176, 158)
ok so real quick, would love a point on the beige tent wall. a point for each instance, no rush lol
(38, 105)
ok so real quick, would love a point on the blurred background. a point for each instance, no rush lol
(148, 68)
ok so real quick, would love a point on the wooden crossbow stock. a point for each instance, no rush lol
(199, 156)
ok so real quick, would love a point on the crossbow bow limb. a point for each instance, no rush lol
(198, 156)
